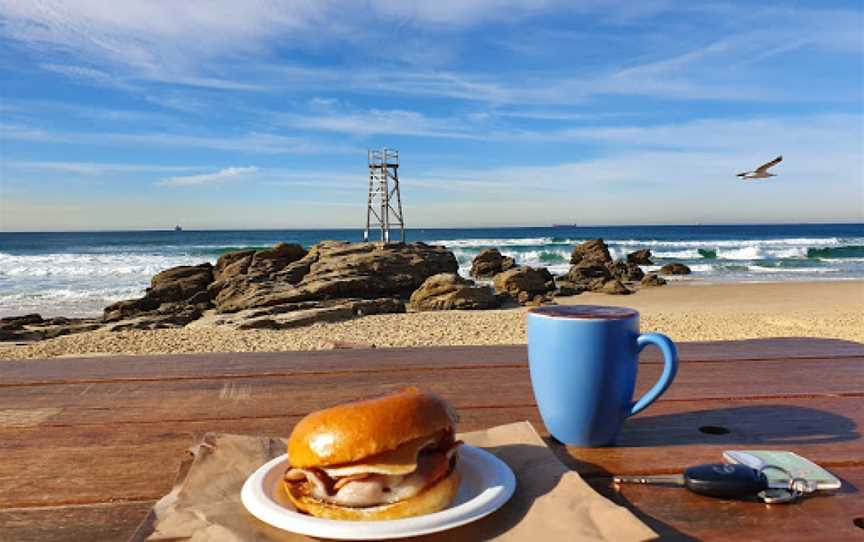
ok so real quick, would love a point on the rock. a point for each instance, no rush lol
(180, 283)
(626, 271)
(594, 251)
(615, 287)
(232, 263)
(448, 291)
(487, 264)
(587, 275)
(29, 328)
(565, 287)
(11, 323)
(294, 315)
(652, 280)
(128, 308)
(524, 281)
(265, 263)
(507, 263)
(674, 268)
(640, 257)
(335, 269)
(167, 316)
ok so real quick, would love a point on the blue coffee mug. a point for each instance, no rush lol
(583, 361)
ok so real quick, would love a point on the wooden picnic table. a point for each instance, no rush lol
(88, 444)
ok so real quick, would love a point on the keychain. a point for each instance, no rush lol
(729, 481)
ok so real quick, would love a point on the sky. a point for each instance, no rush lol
(218, 114)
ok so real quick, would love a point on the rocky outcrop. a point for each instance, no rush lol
(626, 271)
(653, 280)
(595, 251)
(594, 270)
(589, 276)
(566, 288)
(640, 257)
(525, 283)
(615, 287)
(489, 263)
(334, 270)
(175, 297)
(447, 291)
(674, 268)
(285, 286)
(32, 327)
(292, 315)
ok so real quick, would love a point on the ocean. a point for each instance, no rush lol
(79, 273)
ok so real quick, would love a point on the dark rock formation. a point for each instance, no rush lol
(589, 276)
(286, 286)
(653, 280)
(448, 291)
(674, 268)
(487, 263)
(524, 281)
(565, 287)
(334, 270)
(626, 271)
(594, 251)
(614, 287)
(175, 297)
(640, 257)
(292, 315)
(32, 327)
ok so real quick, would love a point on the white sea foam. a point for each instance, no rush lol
(492, 243)
(91, 265)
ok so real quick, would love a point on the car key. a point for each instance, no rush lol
(723, 480)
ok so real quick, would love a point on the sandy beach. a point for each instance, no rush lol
(684, 311)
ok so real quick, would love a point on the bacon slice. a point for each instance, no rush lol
(362, 489)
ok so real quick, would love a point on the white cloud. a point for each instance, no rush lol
(92, 168)
(252, 142)
(209, 178)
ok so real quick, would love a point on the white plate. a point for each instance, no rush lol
(487, 483)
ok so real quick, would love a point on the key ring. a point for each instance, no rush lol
(795, 488)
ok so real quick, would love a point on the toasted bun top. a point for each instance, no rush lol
(354, 431)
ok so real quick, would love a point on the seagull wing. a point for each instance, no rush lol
(764, 167)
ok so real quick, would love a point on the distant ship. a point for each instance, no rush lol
(178, 228)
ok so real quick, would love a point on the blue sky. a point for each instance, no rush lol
(128, 115)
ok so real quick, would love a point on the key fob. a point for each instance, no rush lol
(725, 480)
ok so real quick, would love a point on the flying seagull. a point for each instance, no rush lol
(761, 172)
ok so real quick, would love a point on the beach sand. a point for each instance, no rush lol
(686, 311)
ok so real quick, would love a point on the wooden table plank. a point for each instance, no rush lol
(224, 365)
(200, 399)
(104, 522)
(140, 460)
(675, 514)
(685, 516)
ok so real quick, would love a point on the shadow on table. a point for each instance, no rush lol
(780, 424)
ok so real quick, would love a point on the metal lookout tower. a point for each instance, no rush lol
(383, 194)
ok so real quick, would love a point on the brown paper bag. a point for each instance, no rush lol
(551, 502)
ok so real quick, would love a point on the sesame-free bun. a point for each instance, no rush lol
(432, 499)
(355, 431)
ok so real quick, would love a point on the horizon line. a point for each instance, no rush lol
(850, 222)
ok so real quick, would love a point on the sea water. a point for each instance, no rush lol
(79, 273)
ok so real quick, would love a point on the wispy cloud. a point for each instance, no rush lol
(251, 143)
(93, 168)
(209, 178)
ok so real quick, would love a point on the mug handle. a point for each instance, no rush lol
(670, 368)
